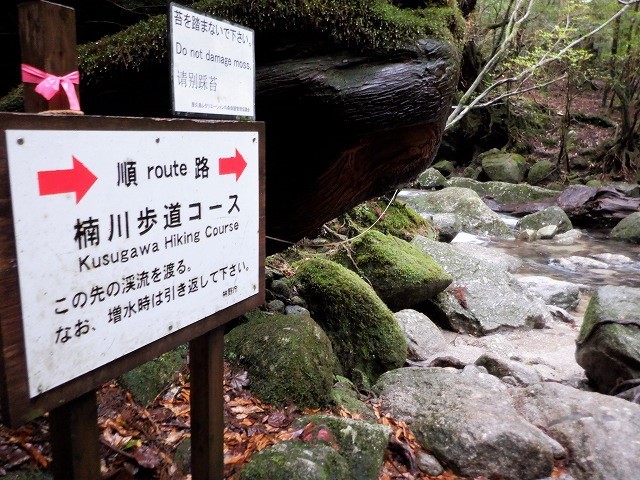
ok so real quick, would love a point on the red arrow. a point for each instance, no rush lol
(79, 180)
(234, 164)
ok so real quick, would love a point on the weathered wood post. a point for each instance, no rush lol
(207, 405)
(48, 43)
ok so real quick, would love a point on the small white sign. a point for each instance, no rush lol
(123, 237)
(212, 65)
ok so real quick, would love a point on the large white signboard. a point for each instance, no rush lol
(125, 237)
(212, 65)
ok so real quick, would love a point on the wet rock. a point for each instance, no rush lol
(609, 340)
(467, 421)
(628, 228)
(548, 216)
(601, 432)
(506, 193)
(612, 258)
(424, 338)
(547, 233)
(474, 215)
(575, 263)
(482, 298)
(553, 292)
(501, 367)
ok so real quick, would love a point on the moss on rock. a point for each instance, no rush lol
(361, 443)
(149, 379)
(395, 218)
(357, 24)
(400, 273)
(628, 229)
(364, 333)
(288, 357)
(295, 460)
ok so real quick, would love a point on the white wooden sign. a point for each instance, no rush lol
(212, 65)
(123, 237)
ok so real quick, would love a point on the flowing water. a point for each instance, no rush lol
(544, 257)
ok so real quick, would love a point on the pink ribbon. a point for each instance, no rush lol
(49, 85)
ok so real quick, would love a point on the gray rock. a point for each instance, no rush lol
(428, 464)
(448, 224)
(601, 432)
(609, 340)
(431, 179)
(612, 258)
(553, 292)
(539, 171)
(483, 297)
(528, 235)
(276, 306)
(503, 192)
(498, 259)
(575, 262)
(467, 421)
(296, 310)
(501, 367)
(568, 238)
(628, 228)
(424, 338)
(547, 232)
(473, 213)
(548, 216)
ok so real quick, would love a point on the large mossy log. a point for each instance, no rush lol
(354, 94)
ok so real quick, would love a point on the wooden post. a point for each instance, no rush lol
(74, 439)
(47, 42)
(207, 405)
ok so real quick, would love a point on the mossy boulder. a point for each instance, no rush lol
(628, 229)
(431, 179)
(146, 381)
(395, 218)
(344, 394)
(288, 357)
(540, 171)
(473, 213)
(609, 340)
(548, 216)
(504, 167)
(364, 333)
(503, 192)
(296, 460)
(400, 273)
(362, 444)
(445, 167)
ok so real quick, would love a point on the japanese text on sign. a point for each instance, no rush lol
(213, 65)
(124, 237)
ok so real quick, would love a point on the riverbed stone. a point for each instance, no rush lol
(628, 229)
(474, 215)
(553, 292)
(424, 338)
(503, 192)
(467, 421)
(609, 340)
(577, 262)
(483, 297)
(295, 460)
(501, 367)
(545, 217)
(547, 232)
(539, 171)
(600, 431)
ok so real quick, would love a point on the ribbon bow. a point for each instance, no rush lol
(49, 85)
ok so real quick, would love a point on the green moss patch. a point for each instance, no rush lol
(288, 357)
(364, 333)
